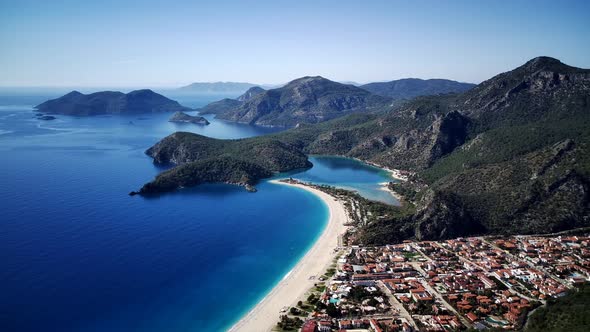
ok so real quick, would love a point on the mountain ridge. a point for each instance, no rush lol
(408, 88)
(309, 99)
(510, 155)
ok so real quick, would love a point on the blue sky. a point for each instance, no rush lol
(169, 43)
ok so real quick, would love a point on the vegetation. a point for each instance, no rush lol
(304, 100)
(333, 311)
(511, 155)
(224, 169)
(110, 102)
(201, 159)
(183, 117)
(287, 323)
(568, 313)
(409, 88)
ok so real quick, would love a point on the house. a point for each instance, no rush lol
(310, 326)
(345, 324)
(325, 326)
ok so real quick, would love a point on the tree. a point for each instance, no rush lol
(333, 311)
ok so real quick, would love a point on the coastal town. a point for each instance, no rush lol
(464, 283)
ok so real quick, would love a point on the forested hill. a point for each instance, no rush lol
(510, 155)
(201, 159)
(409, 88)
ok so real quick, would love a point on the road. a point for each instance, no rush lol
(396, 304)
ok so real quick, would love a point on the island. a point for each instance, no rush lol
(110, 102)
(185, 118)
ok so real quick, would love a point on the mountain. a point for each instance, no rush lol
(216, 87)
(409, 88)
(511, 155)
(570, 312)
(183, 117)
(110, 102)
(304, 100)
(220, 106)
(228, 104)
(251, 93)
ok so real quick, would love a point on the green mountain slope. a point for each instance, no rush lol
(569, 313)
(409, 88)
(201, 159)
(510, 155)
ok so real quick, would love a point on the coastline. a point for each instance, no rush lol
(265, 315)
(384, 187)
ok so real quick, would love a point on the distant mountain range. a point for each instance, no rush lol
(316, 99)
(216, 88)
(511, 155)
(110, 102)
(409, 88)
(304, 100)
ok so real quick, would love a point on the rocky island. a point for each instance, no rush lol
(110, 102)
(183, 117)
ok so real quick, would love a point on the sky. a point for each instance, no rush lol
(171, 43)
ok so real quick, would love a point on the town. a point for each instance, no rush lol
(465, 283)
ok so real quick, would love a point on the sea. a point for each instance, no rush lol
(78, 254)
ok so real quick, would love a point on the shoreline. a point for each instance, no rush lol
(396, 174)
(295, 284)
(385, 187)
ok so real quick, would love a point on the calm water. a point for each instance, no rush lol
(78, 254)
(349, 174)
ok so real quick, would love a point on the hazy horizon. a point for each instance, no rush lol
(160, 44)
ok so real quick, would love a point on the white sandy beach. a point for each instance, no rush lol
(297, 282)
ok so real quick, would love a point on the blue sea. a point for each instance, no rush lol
(78, 254)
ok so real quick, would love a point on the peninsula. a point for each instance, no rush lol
(201, 159)
(110, 102)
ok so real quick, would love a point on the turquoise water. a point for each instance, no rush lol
(349, 174)
(79, 254)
